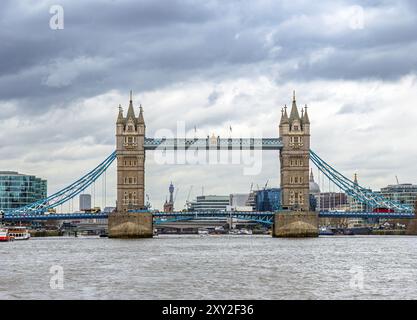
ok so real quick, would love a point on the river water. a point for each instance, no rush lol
(210, 267)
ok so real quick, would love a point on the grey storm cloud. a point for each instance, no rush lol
(149, 44)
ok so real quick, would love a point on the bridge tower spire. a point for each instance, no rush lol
(130, 141)
(294, 158)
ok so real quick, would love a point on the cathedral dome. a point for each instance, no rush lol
(314, 187)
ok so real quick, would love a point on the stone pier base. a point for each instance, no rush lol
(130, 225)
(295, 224)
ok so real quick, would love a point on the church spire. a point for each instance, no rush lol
(311, 175)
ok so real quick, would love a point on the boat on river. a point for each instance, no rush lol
(4, 235)
(18, 233)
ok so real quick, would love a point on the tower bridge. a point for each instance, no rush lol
(132, 219)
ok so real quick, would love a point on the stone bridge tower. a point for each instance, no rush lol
(130, 140)
(294, 158)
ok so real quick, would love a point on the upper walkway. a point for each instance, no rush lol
(213, 143)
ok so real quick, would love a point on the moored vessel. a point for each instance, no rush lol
(18, 233)
(4, 235)
(325, 231)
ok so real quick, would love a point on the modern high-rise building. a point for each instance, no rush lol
(18, 190)
(329, 201)
(210, 203)
(405, 193)
(268, 199)
(85, 202)
(251, 202)
(238, 199)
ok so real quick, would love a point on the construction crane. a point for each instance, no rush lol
(187, 202)
(266, 184)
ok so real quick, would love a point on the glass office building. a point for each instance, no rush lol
(268, 199)
(17, 190)
(405, 193)
(210, 203)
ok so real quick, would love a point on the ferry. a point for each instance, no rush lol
(19, 233)
(4, 235)
(325, 231)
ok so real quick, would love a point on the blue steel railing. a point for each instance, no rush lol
(265, 217)
(55, 216)
(364, 214)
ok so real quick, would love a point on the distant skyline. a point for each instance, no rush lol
(213, 65)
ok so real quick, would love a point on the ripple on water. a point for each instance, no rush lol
(212, 267)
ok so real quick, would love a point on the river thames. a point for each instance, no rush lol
(211, 267)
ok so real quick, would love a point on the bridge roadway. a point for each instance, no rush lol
(262, 217)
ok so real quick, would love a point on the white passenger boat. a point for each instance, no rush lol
(18, 233)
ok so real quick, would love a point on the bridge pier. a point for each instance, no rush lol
(130, 225)
(412, 224)
(295, 224)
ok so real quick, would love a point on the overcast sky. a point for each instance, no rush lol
(212, 64)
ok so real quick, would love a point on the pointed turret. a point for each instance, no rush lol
(294, 115)
(284, 116)
(140, 117)
(305, 119)
(130, 111)
(355, 179)
(311, 175)
(120, 119)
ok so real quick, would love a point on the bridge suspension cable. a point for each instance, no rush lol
(66, 194)
(345, 185)
(358, 193)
